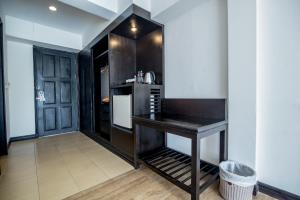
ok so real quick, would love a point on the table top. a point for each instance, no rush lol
(179, 122)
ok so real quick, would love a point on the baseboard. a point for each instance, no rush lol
(33, 136)
(277, 193)
(21, 138)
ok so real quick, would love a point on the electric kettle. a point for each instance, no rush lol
(149, 78)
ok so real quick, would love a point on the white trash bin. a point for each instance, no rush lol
(237, 181)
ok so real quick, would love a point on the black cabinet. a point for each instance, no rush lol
(105, 64)
(123, 141)
(86, 91)
(102, 101)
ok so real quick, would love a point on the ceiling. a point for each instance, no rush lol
(66, 18)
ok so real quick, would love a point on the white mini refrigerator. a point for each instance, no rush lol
(122, 110)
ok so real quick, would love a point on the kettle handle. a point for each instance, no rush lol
(153, 75)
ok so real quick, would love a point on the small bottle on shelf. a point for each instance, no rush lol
(140, 77)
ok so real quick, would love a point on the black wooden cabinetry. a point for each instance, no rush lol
(105, 64)
(86, 91)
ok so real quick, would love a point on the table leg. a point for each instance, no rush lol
(136, 135)
(195, 167)
(223, 145)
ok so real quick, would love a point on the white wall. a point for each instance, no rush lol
(106, 9)
(31, 31)
(21, 88)
(196, 62)
(242, 80)
(166, 10)
(90, 34)
(146, 4)
(278, 139)
(108, 4)
(158, 6)
(20, 36)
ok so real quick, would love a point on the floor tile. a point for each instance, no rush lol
(57, 190)
(89, 177)
(24, 189)
(14, 176)
(56, 167)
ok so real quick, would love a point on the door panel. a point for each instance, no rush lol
(65, 67)
(56, 91)
(50, 119)
(48, 66)
(66, 116)
(49, 92)
(65, 92)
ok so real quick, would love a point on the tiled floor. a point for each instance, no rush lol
(56, 167)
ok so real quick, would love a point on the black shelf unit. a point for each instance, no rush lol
(122, 138)
(195, 119)
(102, 114)
(124, 52)
(176, 167)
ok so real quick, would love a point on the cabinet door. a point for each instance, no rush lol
(122, 141)
(86, 91)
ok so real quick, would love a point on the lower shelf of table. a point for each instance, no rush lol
(176, 167)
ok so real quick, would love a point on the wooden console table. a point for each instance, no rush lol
(200, 119)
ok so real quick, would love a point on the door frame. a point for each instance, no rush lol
(3, 136)
(36, 49)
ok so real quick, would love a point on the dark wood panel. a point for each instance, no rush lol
(86, 91)
(123, 141)
(149, 55)
(150, 139)
(122, 59)
(197, 108)
(3, 138)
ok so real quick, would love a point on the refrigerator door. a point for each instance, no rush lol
(122, 110)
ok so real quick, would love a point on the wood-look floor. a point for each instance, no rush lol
(144, 184)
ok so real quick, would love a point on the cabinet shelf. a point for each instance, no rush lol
(127, 130)
(122, 85)
(101, 55)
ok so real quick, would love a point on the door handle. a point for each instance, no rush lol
(40, 96)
